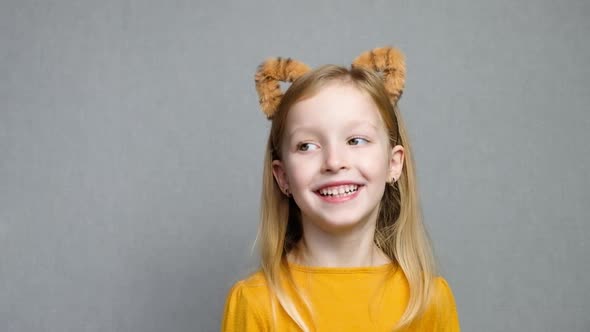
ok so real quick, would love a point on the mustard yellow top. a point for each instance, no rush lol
(343, 299)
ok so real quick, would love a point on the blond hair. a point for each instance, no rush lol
(399, 232)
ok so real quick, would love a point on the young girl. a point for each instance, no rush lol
(343, 247)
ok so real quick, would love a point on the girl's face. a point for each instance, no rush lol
(336, 158)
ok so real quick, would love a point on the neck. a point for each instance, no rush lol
(346, 248)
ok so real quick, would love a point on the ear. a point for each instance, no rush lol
(396, 163)
(390, 62)
(280, 175)
(268, 76)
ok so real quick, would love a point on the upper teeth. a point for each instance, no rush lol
(338, 189)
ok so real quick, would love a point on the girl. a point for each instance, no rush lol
(343, 247)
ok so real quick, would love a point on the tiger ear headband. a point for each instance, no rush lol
(388, 61)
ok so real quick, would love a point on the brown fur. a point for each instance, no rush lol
(267, 79)
(387, 60)
(390, 62)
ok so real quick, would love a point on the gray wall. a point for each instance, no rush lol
(131, 148)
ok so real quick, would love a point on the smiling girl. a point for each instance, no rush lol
(343, 247)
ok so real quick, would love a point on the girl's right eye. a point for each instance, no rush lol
(305, 146)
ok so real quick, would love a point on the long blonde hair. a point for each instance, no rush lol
(399, 232)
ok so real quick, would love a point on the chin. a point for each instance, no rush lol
(334, 223)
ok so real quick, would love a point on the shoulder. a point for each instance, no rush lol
(252, 285)
(246, 304)
(250, 289)
(443, 289)
(443, 309)
(442, 286)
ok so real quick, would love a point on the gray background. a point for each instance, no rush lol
(131, 148)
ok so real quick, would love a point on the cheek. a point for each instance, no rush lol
(375, 163)
(375, 169)
(300, 172)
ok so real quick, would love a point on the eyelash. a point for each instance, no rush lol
(358, 137)
(352, 138)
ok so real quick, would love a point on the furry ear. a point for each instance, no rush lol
(268, 76)
(390, 62)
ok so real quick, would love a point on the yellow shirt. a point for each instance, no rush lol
(343, 299)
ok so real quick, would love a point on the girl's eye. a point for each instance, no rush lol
(358, 140)
(306, 146)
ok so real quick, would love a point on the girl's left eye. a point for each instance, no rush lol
(357, 140)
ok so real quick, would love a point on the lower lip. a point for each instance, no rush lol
(332, 199)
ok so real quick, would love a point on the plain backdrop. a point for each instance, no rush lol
(131, 146)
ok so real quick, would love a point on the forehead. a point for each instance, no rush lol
(337, 106)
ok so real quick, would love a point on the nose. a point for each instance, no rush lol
(335, 158)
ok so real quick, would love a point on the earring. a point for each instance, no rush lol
(287, 192)
(392, 183)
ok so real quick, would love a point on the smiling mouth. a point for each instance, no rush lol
(339, 191)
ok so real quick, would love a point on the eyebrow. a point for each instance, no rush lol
(350, 126)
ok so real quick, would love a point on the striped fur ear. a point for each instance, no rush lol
(390, 62)
(268, 76)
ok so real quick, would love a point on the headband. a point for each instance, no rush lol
(388, 61)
